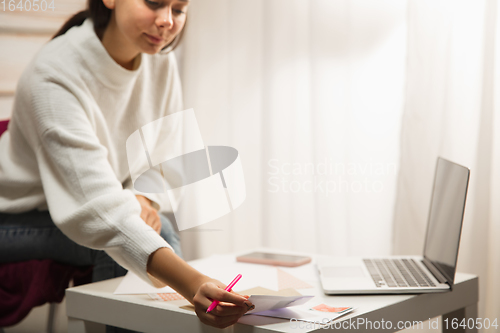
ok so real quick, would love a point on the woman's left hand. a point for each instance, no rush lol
(149, 214)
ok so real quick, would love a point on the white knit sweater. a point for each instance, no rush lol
(65, 147)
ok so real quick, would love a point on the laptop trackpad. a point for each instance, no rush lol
(342, 272)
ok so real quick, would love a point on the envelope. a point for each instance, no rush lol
(266, 299)
(265, 303)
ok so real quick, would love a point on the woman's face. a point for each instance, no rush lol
(146, 26)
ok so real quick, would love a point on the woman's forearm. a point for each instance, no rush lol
(167, 267)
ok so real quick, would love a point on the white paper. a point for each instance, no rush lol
(252, 277)
(268, 302)
(304, 313)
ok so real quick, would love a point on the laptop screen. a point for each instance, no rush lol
(446, 216)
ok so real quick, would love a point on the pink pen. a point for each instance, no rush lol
(228, 288)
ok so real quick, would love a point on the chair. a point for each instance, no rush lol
(25, 285)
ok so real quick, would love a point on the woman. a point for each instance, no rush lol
(77, 102)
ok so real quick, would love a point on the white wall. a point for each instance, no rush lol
(22, 34)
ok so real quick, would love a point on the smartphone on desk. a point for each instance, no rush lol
(265, 258)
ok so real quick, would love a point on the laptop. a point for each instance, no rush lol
(432, 272)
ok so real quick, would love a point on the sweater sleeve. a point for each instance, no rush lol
(85, 199)
(159, 201)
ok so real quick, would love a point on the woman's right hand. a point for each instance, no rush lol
(231, 307)
(200, 290)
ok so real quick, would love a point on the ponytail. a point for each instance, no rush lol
(96, 10)
(75, 20)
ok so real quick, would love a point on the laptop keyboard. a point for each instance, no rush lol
(397, 273)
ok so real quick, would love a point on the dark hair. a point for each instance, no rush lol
(101, 15)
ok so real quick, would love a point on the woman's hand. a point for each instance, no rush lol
(149, 214)
(198, 289)
(231, 307)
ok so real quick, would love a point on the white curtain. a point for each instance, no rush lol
(452, 109)
(339, 110)
(311, 94)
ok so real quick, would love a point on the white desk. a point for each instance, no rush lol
(95, 303)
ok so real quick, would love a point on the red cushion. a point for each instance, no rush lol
(24, 285)
(3, 126)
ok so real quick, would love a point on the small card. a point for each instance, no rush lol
(326, 308)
